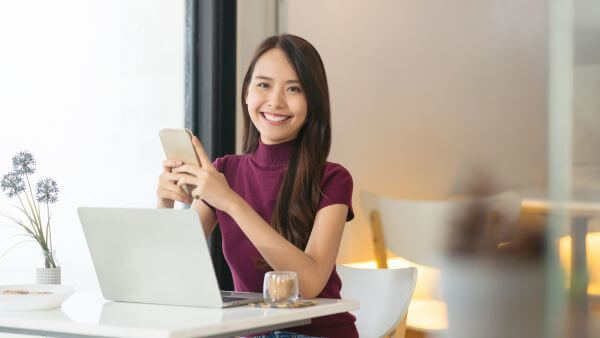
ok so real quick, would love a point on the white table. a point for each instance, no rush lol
(89, 315)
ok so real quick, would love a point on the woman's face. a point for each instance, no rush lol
(275, 99)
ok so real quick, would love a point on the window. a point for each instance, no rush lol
(85, 87)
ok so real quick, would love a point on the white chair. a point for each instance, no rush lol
(417, 231)
(383, 294)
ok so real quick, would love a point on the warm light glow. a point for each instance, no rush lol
(592, 257)
(426, 312)
(427, 315)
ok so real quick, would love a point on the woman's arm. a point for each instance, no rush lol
(207, 216)
(315, 263)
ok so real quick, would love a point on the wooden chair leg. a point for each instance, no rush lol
(378, 242)
(400, 330)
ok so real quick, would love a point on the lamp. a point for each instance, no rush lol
(592, 242)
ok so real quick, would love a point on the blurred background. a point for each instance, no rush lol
(422, 92)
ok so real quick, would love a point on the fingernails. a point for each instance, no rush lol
(178, 163)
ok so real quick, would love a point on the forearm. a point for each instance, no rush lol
(208, 218)
(279, 253)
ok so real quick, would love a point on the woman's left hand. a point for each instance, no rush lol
(210, 185)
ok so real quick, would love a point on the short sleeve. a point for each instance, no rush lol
(337, 186)
(218, 164)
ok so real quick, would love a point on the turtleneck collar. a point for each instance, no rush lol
(273, 155)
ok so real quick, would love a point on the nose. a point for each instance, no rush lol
(276, 99)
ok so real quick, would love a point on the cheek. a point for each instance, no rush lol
(303, 119)
(299, 106)
(253, 101)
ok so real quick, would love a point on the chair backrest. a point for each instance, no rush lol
(417, 230)
(383, 294)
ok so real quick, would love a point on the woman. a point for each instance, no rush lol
(280, 205)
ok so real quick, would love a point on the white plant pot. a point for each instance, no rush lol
(48, 269)
(47, 275)
(491, 299)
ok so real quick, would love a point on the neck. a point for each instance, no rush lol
(273, 155)
(271, 142)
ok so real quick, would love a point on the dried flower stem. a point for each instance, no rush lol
(47, 192)
(48, 233)
(35, 210)
(31, 221)
(35, 230)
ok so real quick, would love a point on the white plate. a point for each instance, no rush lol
(30, 302)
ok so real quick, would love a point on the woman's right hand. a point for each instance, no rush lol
(168, 192)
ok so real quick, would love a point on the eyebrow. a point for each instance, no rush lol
(271, 79)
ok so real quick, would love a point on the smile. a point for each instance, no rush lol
(274, 118)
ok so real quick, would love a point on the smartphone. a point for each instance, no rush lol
(178, 145)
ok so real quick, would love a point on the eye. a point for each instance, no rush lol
(295, 89)
(262, 85)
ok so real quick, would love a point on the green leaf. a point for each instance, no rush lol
(31, 220)
(22, 210)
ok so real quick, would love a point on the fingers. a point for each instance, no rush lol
(180, 197)
(169, 190)
(186, 179)
(196, 193)
(188, 169)
(172, 177)
(172, 187)
(168, 165)
(198, 184)
(204, 159)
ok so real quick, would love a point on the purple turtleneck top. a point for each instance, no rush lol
(257, 178)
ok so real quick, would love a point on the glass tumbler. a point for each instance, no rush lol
(280, 287)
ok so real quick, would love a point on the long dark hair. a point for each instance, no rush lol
(300, 193)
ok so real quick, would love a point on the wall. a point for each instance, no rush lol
(256, 21)
(586, 100)
(423, 91)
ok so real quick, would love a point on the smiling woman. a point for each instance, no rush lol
(280, 205)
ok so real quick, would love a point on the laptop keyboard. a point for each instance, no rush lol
(231, 299)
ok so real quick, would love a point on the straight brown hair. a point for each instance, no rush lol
(300, 193)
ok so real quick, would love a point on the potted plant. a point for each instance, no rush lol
(30, 217)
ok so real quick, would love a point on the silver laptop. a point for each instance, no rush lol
(156, 256)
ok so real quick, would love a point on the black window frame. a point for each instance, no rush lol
(210, 92)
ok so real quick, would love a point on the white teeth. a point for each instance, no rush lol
(275, 118)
